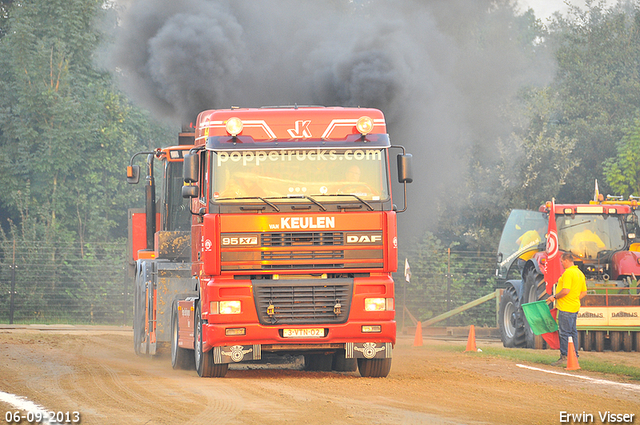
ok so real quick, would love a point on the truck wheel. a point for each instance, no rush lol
(204, 360)
(181, 358)
(627, 341)
(374, 368)
(138, 315)
(534, 290)
(616, 340)
(342, 364)
(510, 319)
(599, 337)
(318, 362)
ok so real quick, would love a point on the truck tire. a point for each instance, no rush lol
(181, 358)
(204, 360)
(374, 368)
(511, 320)
(627, 341)
(534, 290)
(599, 337)
(342, 364)
(616, 340)
(318, 362)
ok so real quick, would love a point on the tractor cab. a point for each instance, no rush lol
(592, 233)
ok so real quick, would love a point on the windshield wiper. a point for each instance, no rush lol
(574, 225)
(271, 204)
(309, 198)
(355, 196)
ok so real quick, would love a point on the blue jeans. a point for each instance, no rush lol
(567, 328)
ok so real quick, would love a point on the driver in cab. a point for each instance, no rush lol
(586, 244)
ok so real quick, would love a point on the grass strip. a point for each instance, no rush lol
(546, 357)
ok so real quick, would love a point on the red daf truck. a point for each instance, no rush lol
(292, 240)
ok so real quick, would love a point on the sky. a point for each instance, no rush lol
(545, 8)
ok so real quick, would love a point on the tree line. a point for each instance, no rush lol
(67, 132)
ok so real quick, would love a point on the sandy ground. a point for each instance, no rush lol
(96, 373)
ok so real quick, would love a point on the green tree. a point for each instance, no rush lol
(598, 83)
(67, 133)
(622, 172)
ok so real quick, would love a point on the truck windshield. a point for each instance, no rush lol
(587, 235)
(176, 213)
(286, 174)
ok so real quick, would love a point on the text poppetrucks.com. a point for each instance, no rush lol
(606, 417)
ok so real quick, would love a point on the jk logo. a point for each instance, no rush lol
(301, 131)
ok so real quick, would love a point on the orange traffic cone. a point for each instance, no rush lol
(417, 342)
(572, 359)
(471, 342)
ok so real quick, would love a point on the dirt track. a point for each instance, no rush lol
(97, 374)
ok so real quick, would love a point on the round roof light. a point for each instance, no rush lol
(364, 125)
(234, 126)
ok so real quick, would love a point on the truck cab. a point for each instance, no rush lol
(293, 241)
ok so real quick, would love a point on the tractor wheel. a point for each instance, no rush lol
(374, 368)
(511, 320)
(599, 337)
(181, 358)
(204, 360)
(534, 290)
(342, 364)
(616, 340)
(627, 341)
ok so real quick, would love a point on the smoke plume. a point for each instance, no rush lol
(439, 70)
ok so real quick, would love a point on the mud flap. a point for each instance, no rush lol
(368, 350)
(236, 353)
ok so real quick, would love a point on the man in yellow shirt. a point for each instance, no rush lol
(571, 288)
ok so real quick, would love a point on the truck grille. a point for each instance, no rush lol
(302, 239)
(302, 301)
(302, 255)
(273, 251)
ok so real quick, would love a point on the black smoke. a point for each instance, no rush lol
(441, 71)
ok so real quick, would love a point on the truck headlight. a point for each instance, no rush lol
(378, 304)
(225, 307)
(364, 125)
(234, 126)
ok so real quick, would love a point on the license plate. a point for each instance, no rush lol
(303, 333)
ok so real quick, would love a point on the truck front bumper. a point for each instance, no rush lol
(348, 338)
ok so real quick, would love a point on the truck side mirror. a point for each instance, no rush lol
(405, 174)
(133, 174)
(189, 191)
(191, 168)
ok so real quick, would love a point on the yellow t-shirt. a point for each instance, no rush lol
(574, 280)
